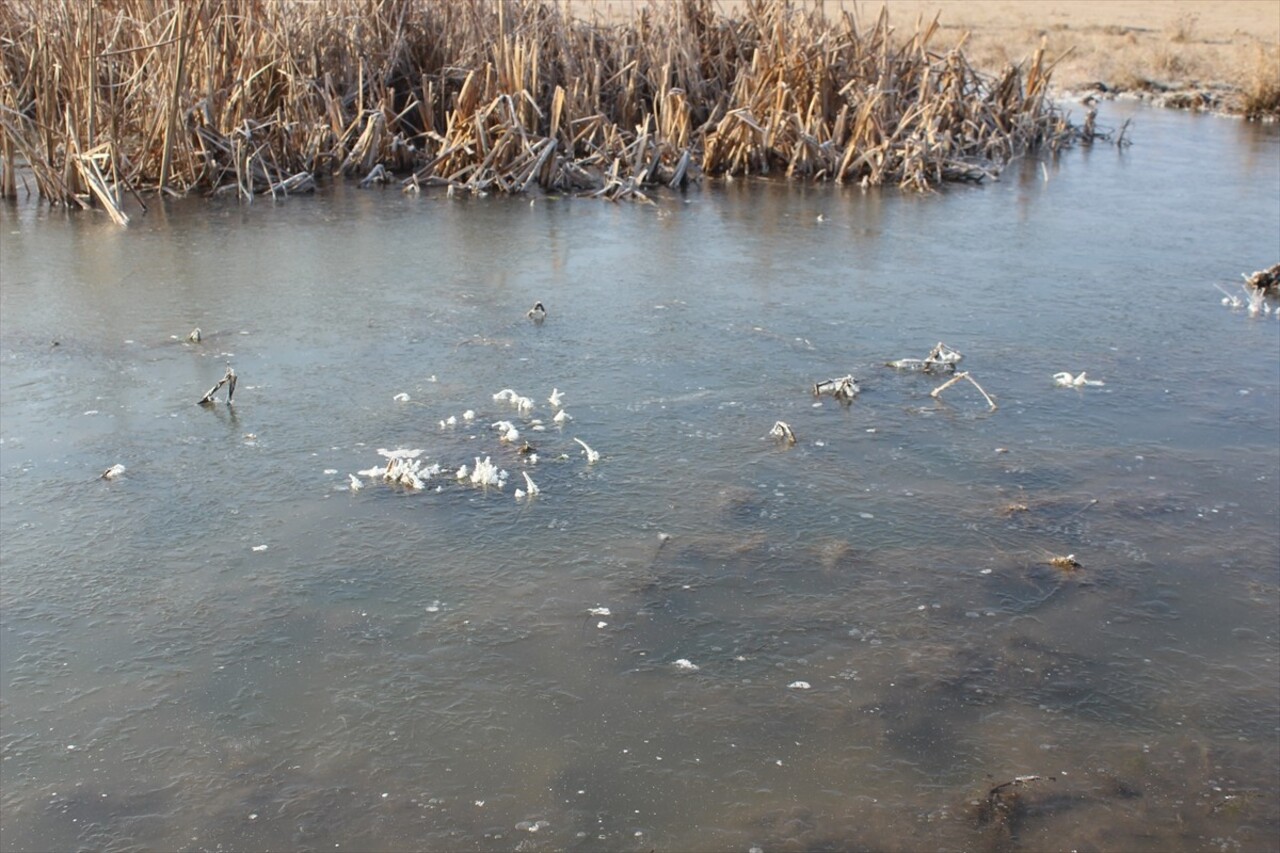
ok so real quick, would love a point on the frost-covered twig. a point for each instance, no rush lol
(843, 389)
(781, 429)
(592, 456)
(533, 487)
(941, 356)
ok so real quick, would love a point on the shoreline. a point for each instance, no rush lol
(1215, 55)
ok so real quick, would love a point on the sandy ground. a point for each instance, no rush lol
(1122, 43)
(1212, 46)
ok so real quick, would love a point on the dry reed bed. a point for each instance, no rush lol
(105, 98)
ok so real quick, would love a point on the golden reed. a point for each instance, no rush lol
(102, 98)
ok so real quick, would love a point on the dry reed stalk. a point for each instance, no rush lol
(90, 171)
(171, 114)
(258, 96)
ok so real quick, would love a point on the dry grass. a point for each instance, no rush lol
(1218, 54)
(1260, 91)
(259, 96)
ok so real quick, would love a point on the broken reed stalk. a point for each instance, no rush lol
(259, 96)
(959, 376)
(171, 113)
(228, 379)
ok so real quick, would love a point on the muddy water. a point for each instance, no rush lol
(878, 633)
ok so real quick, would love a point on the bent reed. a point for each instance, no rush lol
(99, 98)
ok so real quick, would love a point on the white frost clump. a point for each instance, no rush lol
(1253, 299)
(506, 431)
(404, 472)
(1066, 380)
(783, 430)
(487, 474)
(524, 404)
(1256, 302)
(403, 467)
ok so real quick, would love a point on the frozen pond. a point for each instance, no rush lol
(706, 639)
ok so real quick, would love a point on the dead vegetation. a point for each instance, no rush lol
(1260, 87)
(99, 101)
(1267, 280)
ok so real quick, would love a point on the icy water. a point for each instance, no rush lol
(841, 645)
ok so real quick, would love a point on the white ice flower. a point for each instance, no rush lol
(1066, 380)
(506, 431)
(486, 473)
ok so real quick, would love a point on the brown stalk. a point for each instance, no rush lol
(503, 95)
